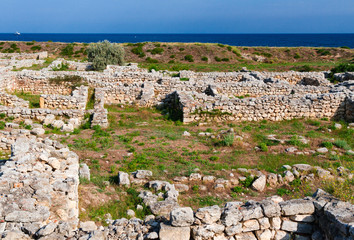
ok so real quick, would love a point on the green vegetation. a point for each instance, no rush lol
(33, 99)
(189, 58)
(104, 53)
(68, 50)
(36, 48)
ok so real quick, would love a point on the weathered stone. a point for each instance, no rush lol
(296, 227)
(270, 208)
(209, 215)
(88, 226)
(143, 174)
(177, 233)
(260, 183)
(84, 171)
(123, 179)
(182, 217)
(297, 206)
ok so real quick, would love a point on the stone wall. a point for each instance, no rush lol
(39, 187)
(201, 107)
(77, 100)
(22, 56)
(99, 113)
(13, 101)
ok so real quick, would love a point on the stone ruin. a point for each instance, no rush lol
(39, 200)
(39, 181)
(232, 96)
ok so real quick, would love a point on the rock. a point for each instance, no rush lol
(130, 213)
(15, 235)
(337, 126)
(272, 180)
(302, 167)
(49, 119)
(264, 234)
(209, 215)
(260, 183)
(322, 150)
(296, 227)
(163, 208)
(186, 134)
(58, 124)
(84, 171)
(288, 176)
(182, 217)
(123, 179)
(46, 230)
(207, 231)
(297, 206)
(276, 223)
(270, 208)
(168, 232)
(152, 235)
(195, 177)
(291, 150)
(246, 236)
(250, 226)
(231, 215)
(251, 210)
(37, 131)
(282, 235)
(207, 179)
(234, 229)
(67, 128)
(142, 174)
(88, 226)
(303, 218)
(219, 187)
(181, 187)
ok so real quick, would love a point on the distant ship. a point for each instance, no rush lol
(17, 33)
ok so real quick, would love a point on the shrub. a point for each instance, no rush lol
(247, 182)
(181, 49)
(297, 56)
(344, 67)
(305, 68)
(68, 50)
(205, 59)
(228, 140)
(345, 47)
(29, 43)
(213, 158)
(342, 144)
(36, 48)
(283, 191)
(157, 50)
(138, 50)
(263, 147)
(217, 59)
(328, 145)
(104, 53)
(225, 59)
(172, 56)
(189, 58)
(151, 60)
(323, 52)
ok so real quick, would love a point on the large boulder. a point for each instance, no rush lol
(209, 215)
(260, 183)
(168, 232)
(182, 217)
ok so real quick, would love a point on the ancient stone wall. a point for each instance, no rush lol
(77, 100)
(39, 186)
(12, 101)
(201, 107)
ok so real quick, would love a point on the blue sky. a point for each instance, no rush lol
(172, 16)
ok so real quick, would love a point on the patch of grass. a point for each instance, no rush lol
(118, 209)
(205, 201)
(36, 48)
(341, 190)
(342, 144)
(32, 98)
(228, 140)
(157, 50)
(326, 144)
(189, 58)
(283, 191)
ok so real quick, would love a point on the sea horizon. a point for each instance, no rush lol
(234, 39)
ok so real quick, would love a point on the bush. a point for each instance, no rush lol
(342, 144)
(68, 50)
(36, 48)
(217, 59)
(157, 50)
(228, 140)
(225, 59)
(205, 59)
(138, 50)
(105, 53)
(263, 147)
(328, 145)
(297, 56)
(151, 60)
(189, 58)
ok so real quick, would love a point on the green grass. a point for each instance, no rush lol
(32, 98)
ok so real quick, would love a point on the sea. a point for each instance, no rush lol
(270, 40)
